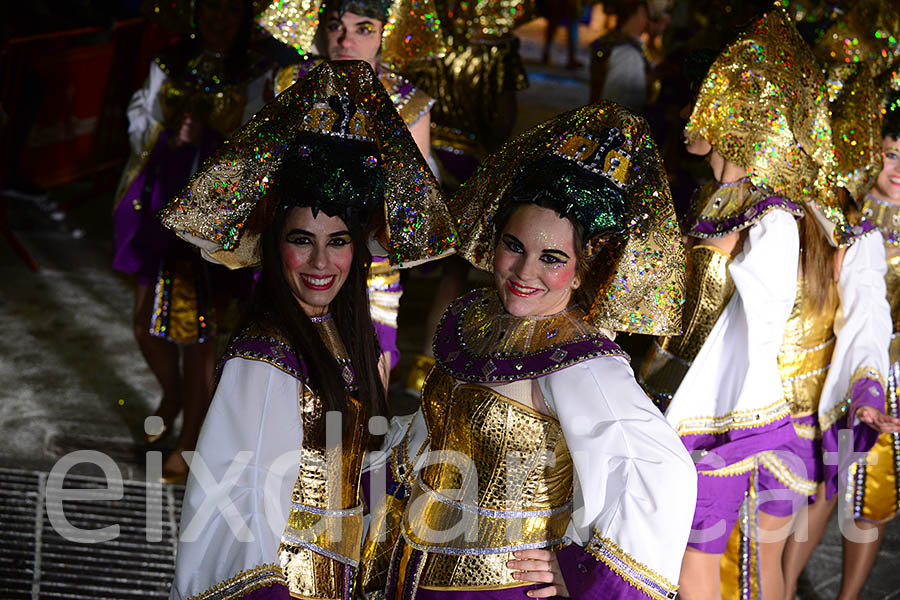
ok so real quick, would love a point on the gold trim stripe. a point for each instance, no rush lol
(734, 420)
(635, 573)
(243, 583)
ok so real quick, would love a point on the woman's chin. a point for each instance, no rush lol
(516, 306)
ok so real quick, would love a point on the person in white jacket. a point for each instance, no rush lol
(735, 384)
(274, 504)
(548, 472)
(196, 94)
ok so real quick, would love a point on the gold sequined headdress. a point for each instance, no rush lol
(412, 30)
(864, 31)
(764, 106)
(228, 203)
(598, 164)
(856, 128)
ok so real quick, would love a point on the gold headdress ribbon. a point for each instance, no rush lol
(644, 293)
(411, 33)
(232, 188)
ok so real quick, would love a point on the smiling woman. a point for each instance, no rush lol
(303, 189)
(530, 393)
(316, 253)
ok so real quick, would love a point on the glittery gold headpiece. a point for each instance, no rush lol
(867, 32)
(229, 202)
(856, 129)
(764, 106)
(598, 164)
(412, 31)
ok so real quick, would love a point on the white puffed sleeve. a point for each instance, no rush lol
(637, 482)
(237, 499)
(734, 382)
(144, 113)
(862, 326)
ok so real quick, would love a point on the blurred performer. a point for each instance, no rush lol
(355, 30)
(620, 70)
(748, 385)
(318, 177)
(196, 94)
(530, 393)
(475, 85)
(870, 485)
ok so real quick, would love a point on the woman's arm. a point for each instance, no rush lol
(855, 383)
(243, 472)
(143, 113)
(635, 480)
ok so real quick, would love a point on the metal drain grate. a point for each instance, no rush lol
(37, 562)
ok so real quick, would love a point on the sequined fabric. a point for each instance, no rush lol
(806, 351)
(219, 200)
(491, 19)
(764, 106)
(856, 129)
(720, 209)
(244, 583)
(473, 84)
(478, 341)
(867, 32)
(640, 290)
(512, 490)
(411, 33)
(181, 303)
(325, 524)
(709, 288)
(203, 89)
(885, 216)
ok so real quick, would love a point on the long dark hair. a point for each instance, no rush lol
(273, 303)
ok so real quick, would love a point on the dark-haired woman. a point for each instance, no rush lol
(355, 30)
(273, 507)
(196, 94)
(530, 394)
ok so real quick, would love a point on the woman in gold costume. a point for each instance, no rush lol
(530, 394)
(196, 94)
(870, 485)
(273, 506)
(748, 384)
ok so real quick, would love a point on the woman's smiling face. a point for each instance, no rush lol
(887, 186)
(316, 255)
(535, 267)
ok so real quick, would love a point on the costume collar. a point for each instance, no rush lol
(722, 208)
(479, 342)
(883, 215)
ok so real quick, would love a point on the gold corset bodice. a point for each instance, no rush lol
(709, 288)
(503, 482)
(806, 351)
(325, 525)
